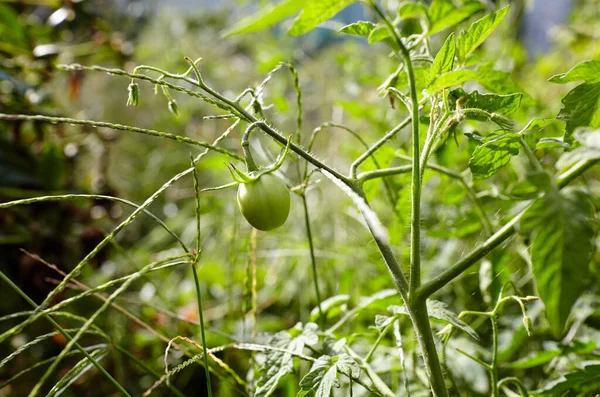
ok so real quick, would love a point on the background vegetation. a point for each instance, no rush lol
(255, 285)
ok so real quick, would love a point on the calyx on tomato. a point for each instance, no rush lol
(263, 198)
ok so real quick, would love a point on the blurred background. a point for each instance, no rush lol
(339, 77)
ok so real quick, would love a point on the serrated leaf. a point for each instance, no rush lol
(279, 363)
(478, 32)
(444, 60)
(410, 9)
(383, 321)
(452, 78)
(315, 12)
(495, 152)
(266, 17)
(588, 71)
(494, 103)
(347, 365)
(321, 378)
(581, 108)
(360, 28)
(439, 310)
(443, 14)
(560, 223)
(589, 148)
(588, 373)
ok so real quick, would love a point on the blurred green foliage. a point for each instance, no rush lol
(339, 80)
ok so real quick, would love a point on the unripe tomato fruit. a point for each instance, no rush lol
(265, 202)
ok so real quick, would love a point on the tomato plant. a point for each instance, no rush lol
(465, 261)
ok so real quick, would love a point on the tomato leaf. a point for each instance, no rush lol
(472, 38)
(589, 148)
(322, 377)
(588, 71)
(449, 79)
(444, 60)
(493, 103)
(562, 234)
(266, 17)
(279, 363)
(360, 28)
(379, 33)
(443, 14)
(315, 12)
(587, 375)
(410, 9)
(495, 152)
(581, 106)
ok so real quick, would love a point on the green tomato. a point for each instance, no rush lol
(265, 202)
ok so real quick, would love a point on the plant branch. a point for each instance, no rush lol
(495, 240)
(167, 135)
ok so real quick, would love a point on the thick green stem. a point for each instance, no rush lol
(420, 319)
(417, 307)
(415, 234)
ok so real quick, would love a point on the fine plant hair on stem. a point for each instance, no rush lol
(66, 120)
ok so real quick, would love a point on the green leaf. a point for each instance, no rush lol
(581, 108)
(443, 14)
(449, 79)
(552, 143)
(347, 365)
(582, 104)
(280, 363)
(330, 306)
(383, 321)
(531, 187)
(587, 374)
(360, 28)
(493, 103)
(266, 17)
(472, 38)
(444, 60)
(561, 250)
(439, 310)
(588, 71)
(410, 9)
(322, 377)
(315, 12)
(535, 359)
(589, 148)
(495, 152)
(498, 81)
(379, 33)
